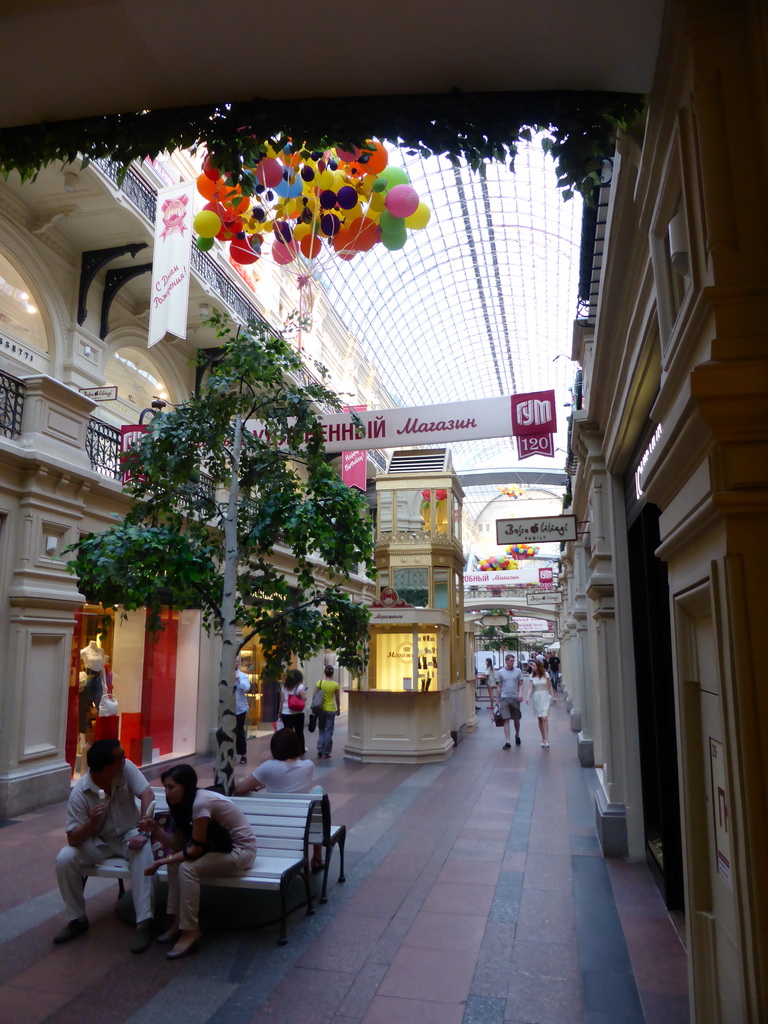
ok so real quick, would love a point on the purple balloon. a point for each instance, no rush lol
(347, 197)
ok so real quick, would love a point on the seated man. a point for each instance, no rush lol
(101, 822)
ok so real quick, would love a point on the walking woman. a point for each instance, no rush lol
(326, 718)
(540, 686)
(210, 836)
(292, 694)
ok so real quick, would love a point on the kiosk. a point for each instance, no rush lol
(414, 704)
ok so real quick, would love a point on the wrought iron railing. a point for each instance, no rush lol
(102, 446)
(11, 405)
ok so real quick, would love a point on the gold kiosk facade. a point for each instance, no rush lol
(414, 704)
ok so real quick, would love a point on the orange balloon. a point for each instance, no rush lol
(365, 234)
(206, 187)
(378, 158)
(311, 246)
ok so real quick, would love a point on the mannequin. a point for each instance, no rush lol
(92, 681)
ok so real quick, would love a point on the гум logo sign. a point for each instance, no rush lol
(533, 413)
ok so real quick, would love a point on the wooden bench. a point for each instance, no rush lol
(321, 833)
(282, 830)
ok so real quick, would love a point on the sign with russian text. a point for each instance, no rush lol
(171, 263)
(534, 414)
(507, 578)
(546, 579)
(535, 531)
(108, 394)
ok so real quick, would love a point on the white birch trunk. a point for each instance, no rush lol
(225, 731)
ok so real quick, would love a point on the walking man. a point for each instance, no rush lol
(554, 670)
(509, 693)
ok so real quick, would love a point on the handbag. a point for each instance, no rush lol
(107, 706)
(312, 723)
(497, 719)
(217, 839)
(295, 703)
(317, 702)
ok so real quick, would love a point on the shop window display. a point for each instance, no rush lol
(137, 686)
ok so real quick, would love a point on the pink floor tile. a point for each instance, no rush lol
(461, 932)
(463, 898)
(385, 1010)
(435, 975)
(20, 1006)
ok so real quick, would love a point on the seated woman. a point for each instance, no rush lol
(286, 772)
(210, 836)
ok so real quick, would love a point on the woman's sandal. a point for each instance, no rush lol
(316, 864)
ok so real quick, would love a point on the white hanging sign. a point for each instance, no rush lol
(171, 263)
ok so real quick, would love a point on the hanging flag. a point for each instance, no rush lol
(171, 265)
(534, 422)
(354, 465)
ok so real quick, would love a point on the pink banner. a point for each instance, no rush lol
(535, 444)
(354, 465)
(534, 413)
(129, 436)
(546, 579)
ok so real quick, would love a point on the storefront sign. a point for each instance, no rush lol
(538, 531)
(495, 620)
(553, 597)
(642, 465)
(428, 424)
(18, 351)
(108, 394)
(534, 422)
(171, 264)
(527, 624)
(507, 578)
(719, 804)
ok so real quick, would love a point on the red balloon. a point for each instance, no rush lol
(241, 252)
(209, 170)
(311, 246)
(269, 172)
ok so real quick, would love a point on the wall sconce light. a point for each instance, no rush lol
(51, 546)
(70, 181)
(204, 309)
(678, 244)
(87, 351)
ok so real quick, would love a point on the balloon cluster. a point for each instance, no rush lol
(332, 202)
(522, 550)
(440, 495)
(512, 490)
(497, 563)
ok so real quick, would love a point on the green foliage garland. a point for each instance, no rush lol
(471, 127)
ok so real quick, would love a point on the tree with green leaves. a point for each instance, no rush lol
(206, 542)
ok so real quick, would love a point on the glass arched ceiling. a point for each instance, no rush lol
(481, 302)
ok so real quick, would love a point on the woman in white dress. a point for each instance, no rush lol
(540, 689)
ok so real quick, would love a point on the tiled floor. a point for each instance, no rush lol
(475, 894)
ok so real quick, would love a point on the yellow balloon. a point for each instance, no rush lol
(312, 204)
(378, 199)
(373, 214)
(326, 180)
(207, 223)
(301, 231)
(419, 218)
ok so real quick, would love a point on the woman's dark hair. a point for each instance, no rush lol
(186, 776)
(489, 662)
(292, 678)
(328, 670)
(285, 744)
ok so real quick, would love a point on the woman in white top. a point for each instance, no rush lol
(210, 836)
(285, 772)
(540, 687)
(293, 690)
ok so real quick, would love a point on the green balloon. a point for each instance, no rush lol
(391, 225)
(204, 244)
(379, 185)
(394, 176)
(394, 242)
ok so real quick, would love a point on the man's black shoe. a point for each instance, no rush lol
(71, 930)
(517, 740)
(507, 746)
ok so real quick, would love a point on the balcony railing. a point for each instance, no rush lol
(102, 445)
(11, 405)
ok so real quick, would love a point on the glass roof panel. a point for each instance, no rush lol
(481, 302)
